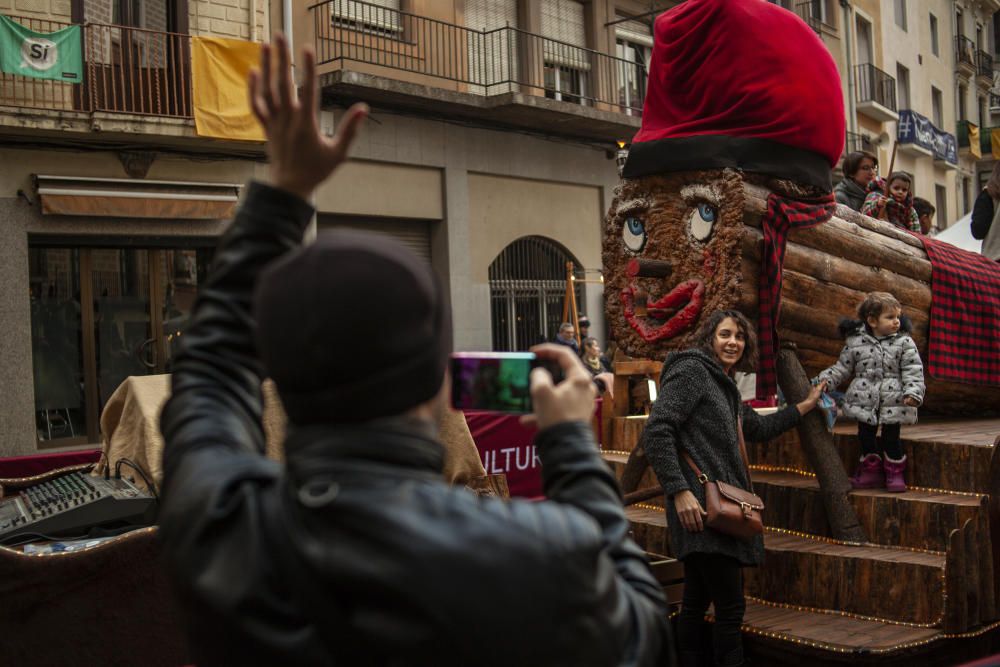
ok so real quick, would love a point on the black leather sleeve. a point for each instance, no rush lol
(574, 474)
(216, 400)
(982, 215)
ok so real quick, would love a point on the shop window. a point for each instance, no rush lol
(98, 316)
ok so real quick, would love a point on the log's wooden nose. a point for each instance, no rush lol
(648, 268)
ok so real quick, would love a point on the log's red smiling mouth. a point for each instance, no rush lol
(689, 292)
(651, 325)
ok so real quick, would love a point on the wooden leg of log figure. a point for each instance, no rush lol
(820, 451)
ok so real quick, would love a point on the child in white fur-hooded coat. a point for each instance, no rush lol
(886, 388)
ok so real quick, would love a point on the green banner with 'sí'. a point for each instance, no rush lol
(55, 55)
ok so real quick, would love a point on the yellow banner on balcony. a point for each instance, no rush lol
(975, 148)
(995, 142)
(219, 69)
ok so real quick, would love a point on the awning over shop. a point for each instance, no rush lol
(132, 198)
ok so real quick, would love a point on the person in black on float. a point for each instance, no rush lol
(699, 411)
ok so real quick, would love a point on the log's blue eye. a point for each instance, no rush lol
(701, 222)
(634, 234)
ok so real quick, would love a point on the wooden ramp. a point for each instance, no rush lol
(921, 591)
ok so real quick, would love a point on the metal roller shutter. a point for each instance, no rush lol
(365, 14)
(492, 56)
(634, 31)
(562, 20)
(414, 234)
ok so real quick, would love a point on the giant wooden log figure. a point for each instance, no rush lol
(726, 202)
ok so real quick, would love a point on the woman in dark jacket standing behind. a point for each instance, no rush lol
(699, 410)
(859, 170)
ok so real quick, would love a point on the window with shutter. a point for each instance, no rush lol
(634, 46)
(414, 234)
(377, 15)
(567, 61)
(493, 45)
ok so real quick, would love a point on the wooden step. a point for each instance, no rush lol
(880, 582)
(649, 528)
(617, 460)
(834, 634)
(915, 519)
(624, 432)
(951, 454)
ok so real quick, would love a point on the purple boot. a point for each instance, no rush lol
(894, 470)
(869, 474)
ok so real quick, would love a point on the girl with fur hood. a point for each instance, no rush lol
(886, 389)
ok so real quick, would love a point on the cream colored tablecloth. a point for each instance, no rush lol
(131, 427)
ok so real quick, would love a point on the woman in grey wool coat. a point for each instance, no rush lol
(699, 410)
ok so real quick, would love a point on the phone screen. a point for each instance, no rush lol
(496, 381)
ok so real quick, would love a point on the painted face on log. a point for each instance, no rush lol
(671, 256)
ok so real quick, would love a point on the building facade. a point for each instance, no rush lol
(111, 205)
(490, 150)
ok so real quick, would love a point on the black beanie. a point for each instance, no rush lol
(352, 327)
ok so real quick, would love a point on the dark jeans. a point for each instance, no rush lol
(890, 440)
(715, 579)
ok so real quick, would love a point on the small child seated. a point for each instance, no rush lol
(886, 389)
(892, 200)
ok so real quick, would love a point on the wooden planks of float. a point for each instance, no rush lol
(923, 588)
(828, 269)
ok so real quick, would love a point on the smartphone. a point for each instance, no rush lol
(495, 381)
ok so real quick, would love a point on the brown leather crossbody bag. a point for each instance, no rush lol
(730, 509)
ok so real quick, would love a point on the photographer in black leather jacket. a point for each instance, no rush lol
(355, 551)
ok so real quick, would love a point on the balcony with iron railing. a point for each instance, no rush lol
(969, 139)
(965, 55)
(857, 142)
(125, 71)
(984, 68)
(505, 75)
(811, 12)
(986, 142)
(875, 93)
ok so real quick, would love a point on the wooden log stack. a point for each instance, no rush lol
(827, 272)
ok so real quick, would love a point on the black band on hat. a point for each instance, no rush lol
(718, 151)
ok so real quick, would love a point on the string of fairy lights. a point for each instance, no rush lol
(937, 623)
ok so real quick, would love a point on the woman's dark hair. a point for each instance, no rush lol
(705, 336)
(853, 160)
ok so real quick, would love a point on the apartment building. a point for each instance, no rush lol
(491, 149)
(918, 76)
(497, 123)
(111, 205)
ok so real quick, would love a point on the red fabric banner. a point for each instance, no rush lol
(505, 446)
(36, 464)
(509, 448)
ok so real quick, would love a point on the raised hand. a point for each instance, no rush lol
(300, 156)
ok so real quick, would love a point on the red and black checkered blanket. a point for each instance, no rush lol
(964, 341)
(783, 215)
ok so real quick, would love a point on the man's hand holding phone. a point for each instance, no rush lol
(570, 400)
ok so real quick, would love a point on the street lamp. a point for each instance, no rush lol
(621, 155)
